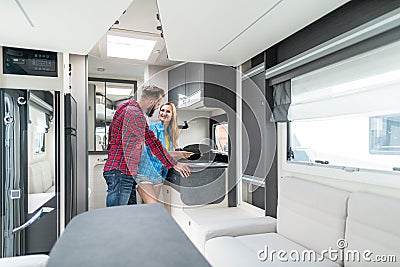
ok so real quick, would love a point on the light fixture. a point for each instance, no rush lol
(100, 69)
(131, 48)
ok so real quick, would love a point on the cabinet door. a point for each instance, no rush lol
(194, 78)
(176, 86)
(176, 77)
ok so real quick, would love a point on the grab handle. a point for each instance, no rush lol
(34, 218)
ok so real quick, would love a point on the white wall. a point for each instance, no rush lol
(156, 75)
(79, 92)
(198, 131)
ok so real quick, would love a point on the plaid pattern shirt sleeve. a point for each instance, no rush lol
(157, 149)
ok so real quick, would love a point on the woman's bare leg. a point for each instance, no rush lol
(149, 193)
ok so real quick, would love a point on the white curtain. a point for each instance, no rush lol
(365, 84)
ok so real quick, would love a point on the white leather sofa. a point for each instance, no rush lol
(25, 261)
(40, 185)
(40, 178)
(313, 218)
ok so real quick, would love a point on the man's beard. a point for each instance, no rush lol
(151, 110)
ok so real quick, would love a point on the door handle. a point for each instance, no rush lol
(34, 218)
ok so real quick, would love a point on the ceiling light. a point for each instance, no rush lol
(100, 69)
(132, 48)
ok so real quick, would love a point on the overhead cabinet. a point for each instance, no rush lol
(193, 85)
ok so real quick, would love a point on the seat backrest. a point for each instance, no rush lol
(40, 177)
(47, 176)
(35, 183)
(373, 224)
(38, 260)
(311, 214)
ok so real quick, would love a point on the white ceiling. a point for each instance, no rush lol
(223, 32)
(231, 32)
(139, 21)
(72, 26)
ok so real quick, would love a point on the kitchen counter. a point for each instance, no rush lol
(205, 185)
(206, 164)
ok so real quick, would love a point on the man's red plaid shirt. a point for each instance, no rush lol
(128, 133)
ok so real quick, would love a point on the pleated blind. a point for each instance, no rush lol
(365, 84)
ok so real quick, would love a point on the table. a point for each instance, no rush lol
(136, 235)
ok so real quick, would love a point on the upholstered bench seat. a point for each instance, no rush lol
(262, 250)
(25, 261)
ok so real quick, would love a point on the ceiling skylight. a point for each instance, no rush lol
(132, 48)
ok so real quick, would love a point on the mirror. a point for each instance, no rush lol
(105, 95)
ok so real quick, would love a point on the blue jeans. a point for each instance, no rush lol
(121, 188)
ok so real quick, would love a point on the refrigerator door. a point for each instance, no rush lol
(13, 131)
(70, 158)
(29, 214)
(42, 213)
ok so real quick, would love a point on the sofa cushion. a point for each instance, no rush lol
(25, 261)
(373, 225)
(40, 178)
(311, 214)
(260, 250)
(208, 222)
(35, 184)
(47, 176)
(239, 227)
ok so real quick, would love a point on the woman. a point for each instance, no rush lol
(152, 173)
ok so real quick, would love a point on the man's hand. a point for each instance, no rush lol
(183, 169)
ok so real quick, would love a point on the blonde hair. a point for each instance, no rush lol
(172, 128)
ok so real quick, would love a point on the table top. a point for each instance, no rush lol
(136, 235)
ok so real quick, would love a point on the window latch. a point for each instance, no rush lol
(290, 154)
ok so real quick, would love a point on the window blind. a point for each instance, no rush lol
(367, 83)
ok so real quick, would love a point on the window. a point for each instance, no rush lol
(344, 141)
(348, 114)
(384, 135)
(221, 136)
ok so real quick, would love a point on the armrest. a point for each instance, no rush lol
(248, 226)
(24, 261)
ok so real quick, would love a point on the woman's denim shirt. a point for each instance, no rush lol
(150, 166)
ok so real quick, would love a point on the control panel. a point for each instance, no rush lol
(29, 62)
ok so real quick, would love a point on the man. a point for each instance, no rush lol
(127, 135)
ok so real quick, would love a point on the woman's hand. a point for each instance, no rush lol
(185, 154)
(180, 154)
